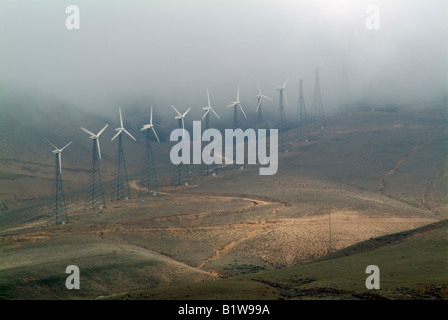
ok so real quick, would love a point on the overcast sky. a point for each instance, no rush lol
(168, 52)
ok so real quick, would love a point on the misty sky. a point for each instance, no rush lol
(169, 52)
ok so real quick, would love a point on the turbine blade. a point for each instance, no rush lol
(284, 85)
(153, 130)
(67, 145)
(208, 98)
(267, 97)
(121, 118)
(186, 112)
(99, 149)
(118, 133)
(60, 163)
(259, 103)
(52, 144)
(215, 113)
(183, 129)
(205, 114)
(87, 131)
(129, 134)
(238, 93)
(286, 100)
(102, 130)
(176, 110)
(242, 110)
(150, 119)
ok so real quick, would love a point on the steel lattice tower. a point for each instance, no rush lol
(319, 115)
(95, 194)
(206, 169)
(284, 143)
(120, 190)
(58, 207)
(149, 178)
(181, 173)
(304, 131)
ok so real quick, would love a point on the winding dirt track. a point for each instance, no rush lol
(229, 246)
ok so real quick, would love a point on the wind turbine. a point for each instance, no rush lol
(180, 171)
(149, 178)
(96, 137)
(205, 168)
(235, 104)
(260, 97)
(207, 110)
(284, 145)
(150, 125)
(121, 185)
(121, 129)
(95, 194)
(58, 153)
(180, 117)
(58, 205)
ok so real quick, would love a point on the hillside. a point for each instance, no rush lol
(366, 176)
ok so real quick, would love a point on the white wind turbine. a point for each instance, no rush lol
(207, 110)
(96, 137)
(121, 129)
(260, 97)
(58, 153)
(180, 117)
(281, 89)
(235, 104)
(150, 125)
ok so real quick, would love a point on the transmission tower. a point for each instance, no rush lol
(120, 189)
(304, 132)
(58, 208)
(149, 178)
(284, 143)
(95, 194)
(319, 115)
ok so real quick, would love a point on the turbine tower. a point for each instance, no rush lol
(120, 190)
(260, 97)
(58, 207)
(319, 115)
(304, 131)
(235, 104)
(284, 143)
(205, 168)
(149, 179)
(95, 194)
(181, 173)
